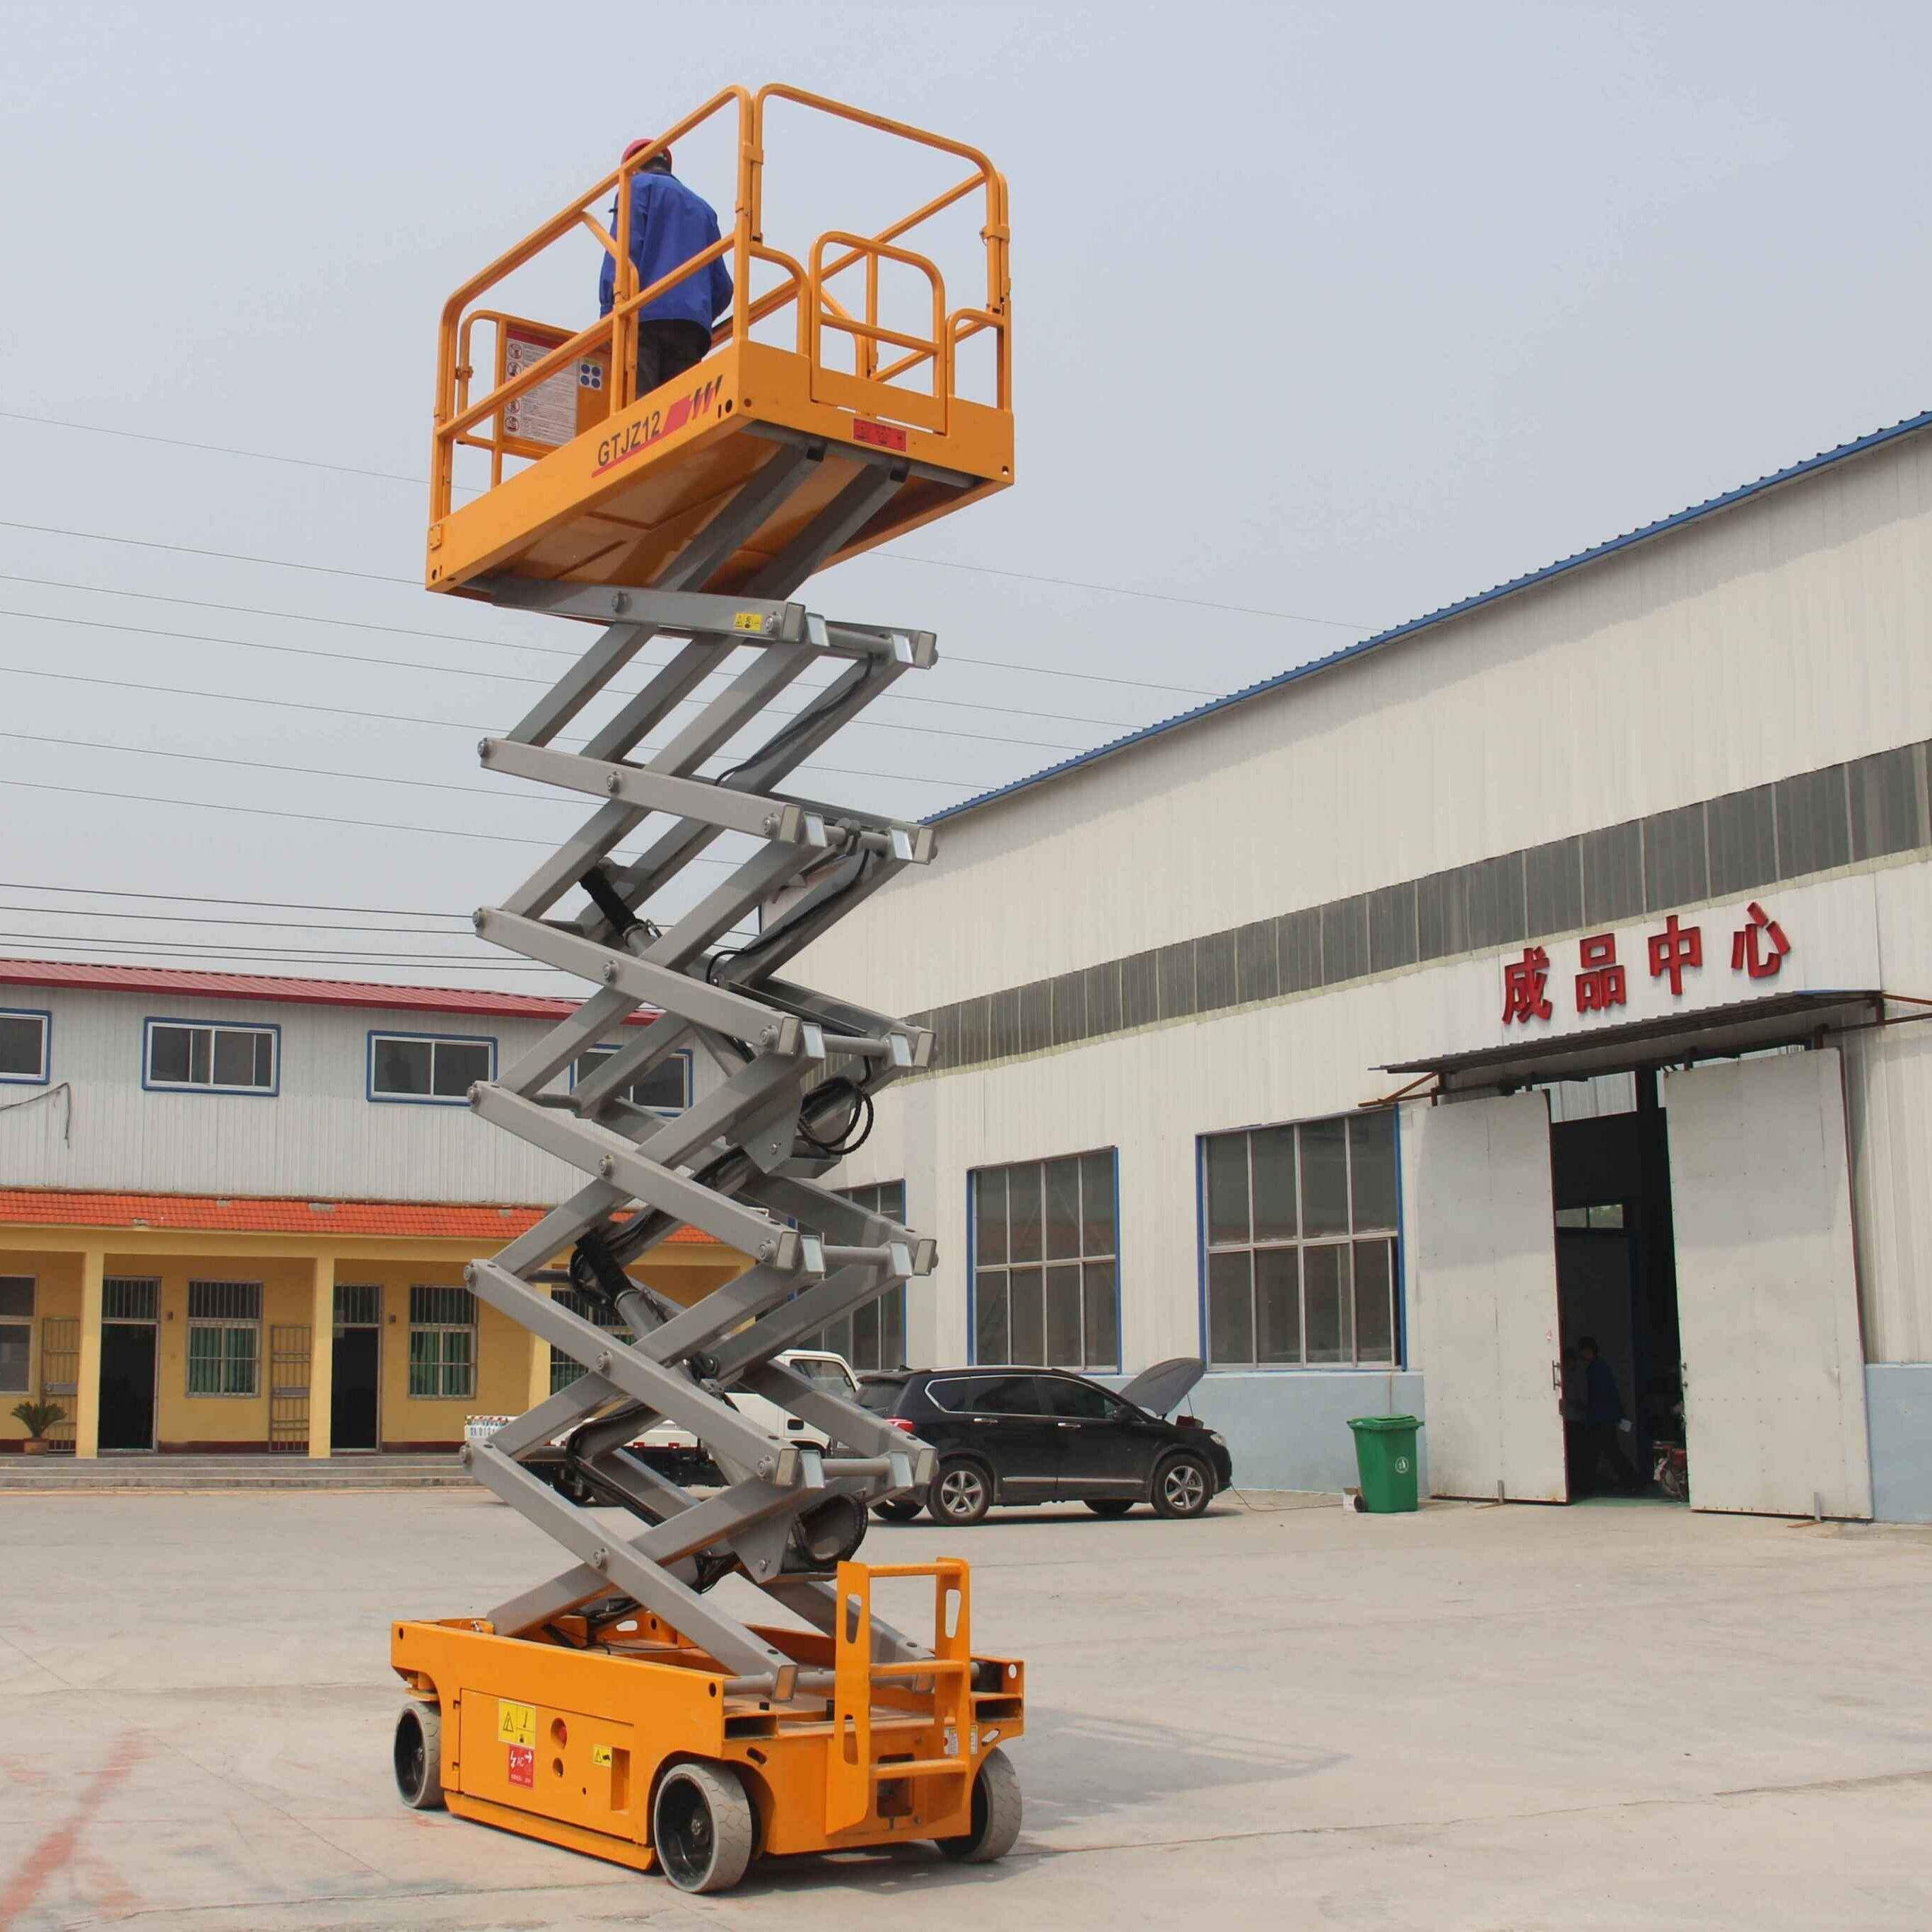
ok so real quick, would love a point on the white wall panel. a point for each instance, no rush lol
(320, 1137)
(1888, 1096)
(1772, 638)
(1150, 1094)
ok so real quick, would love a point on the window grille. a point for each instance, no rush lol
(124, 1299)
(1046, 1259)
(16, 1334)
(224, 1337)
(442, 1342)
(1299, 1225)
(358, 1307)
(872, 1337)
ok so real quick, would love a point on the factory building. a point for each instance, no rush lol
(1552, 966)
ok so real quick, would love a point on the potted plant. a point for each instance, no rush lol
(38, 1418)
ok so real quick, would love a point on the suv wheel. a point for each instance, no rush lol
(961, 1492)
(1183, 1486)
(900, 1509)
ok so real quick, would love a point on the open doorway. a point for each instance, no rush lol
(1616, 1283)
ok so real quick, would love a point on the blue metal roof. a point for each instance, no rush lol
(1742, 493)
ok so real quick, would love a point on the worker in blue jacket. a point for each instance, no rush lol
(669, 224)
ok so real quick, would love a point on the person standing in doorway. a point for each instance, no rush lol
(1604, 1423)
(669, 224)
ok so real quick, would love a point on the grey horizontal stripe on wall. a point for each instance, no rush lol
(1775, 833)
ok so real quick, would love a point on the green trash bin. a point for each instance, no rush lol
(1385, 1456)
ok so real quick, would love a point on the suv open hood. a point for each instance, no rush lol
(1160, 1388)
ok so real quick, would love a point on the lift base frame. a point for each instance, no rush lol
(567, 1745)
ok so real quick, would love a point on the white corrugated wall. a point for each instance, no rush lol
(321, 1136)
(1783, 634)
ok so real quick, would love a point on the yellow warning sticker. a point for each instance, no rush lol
(747, 620)
(600, 1754)
(516, 1723)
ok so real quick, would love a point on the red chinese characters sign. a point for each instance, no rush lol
(1758, 950)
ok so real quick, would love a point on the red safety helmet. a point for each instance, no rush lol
(637, 146)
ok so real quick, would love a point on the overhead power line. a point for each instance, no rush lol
(269, 811)
(206, 898)
(206, 919)
(486, 676)
(506, 644)
(895, 556)
(375, 577)
(398, 717)
(227, 957)
(367, 955)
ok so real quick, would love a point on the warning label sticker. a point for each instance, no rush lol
(523, 1766)
(547, 414)
(516, 1723)
(600, 1754)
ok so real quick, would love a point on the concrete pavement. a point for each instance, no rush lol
(1478, 1717)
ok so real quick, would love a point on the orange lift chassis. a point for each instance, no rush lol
(624, 1707)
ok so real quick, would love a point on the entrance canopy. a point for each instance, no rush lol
(1676, 1039)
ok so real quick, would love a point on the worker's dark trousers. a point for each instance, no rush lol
(1602, 1444)
(665, 349)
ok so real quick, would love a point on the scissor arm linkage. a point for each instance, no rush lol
(742, 1162)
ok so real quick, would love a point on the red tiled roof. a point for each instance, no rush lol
(444, 1221)
(182, 983)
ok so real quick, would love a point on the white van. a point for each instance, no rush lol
(673, 1451)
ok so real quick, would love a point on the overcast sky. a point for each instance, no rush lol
(1336, 312)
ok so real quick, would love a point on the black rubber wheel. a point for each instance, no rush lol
(900, 1509)
(703, 1829)
(1113, 1506)
(1183, 1486)
(417, 1754)
(961, 1492)
(996, 1814)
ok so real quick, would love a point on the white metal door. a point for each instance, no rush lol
(1767, 1288)
(1485, 1271)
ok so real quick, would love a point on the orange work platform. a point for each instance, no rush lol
(548, 465)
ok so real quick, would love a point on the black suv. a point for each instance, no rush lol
(1010, 1436)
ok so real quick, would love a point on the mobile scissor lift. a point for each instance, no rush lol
(618, 1708)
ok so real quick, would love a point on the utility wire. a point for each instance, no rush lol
(375, 576)
(400, 718)
(227, 958)
(270, 765)
(366, 955)
(487, 677)
(268, 812)
(901, 557)
(204, 918)
(205, 899)
(504, 644)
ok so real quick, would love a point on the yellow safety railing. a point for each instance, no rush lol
(464, 421)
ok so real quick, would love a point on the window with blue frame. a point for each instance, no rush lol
(184, 1054)
(24, 1046)
(872, 1337)
(1298, 1227)
(428, 1070)
(1046, 1285)
(665, 1088)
